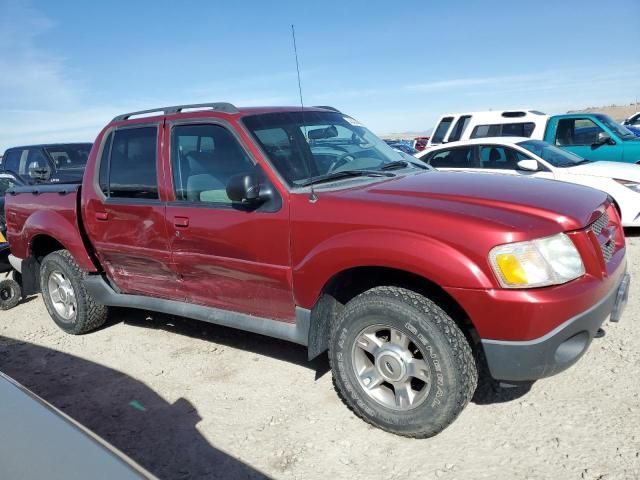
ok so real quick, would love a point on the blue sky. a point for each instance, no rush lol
(67, 67)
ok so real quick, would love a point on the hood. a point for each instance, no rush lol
(624, 171)
(520, 204)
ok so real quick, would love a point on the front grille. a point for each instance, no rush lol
(605, 235)
(600, 224)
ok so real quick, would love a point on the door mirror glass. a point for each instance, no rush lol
(39, 172)
(604, 138)
(528, 165)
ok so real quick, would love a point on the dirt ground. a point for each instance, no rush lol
(191, 400)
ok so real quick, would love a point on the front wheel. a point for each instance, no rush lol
(401, 363)
(72, 308)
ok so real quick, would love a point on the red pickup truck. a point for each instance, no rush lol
(303, 225)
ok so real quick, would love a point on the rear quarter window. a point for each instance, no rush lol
(441, 130)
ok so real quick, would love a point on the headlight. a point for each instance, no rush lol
(537, 263)
(635, 186)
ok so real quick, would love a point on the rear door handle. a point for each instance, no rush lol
(102, 216)
(181, 222)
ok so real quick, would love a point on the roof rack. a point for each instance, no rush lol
(326, 107)
(218, 107)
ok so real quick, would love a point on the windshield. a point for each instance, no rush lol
(69, 157)
(621, 131)
(554, 155)
(309, 144)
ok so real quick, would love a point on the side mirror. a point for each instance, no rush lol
(247, 189)
(528, 165)
(604, 139)
(626, 122)
(39, 172)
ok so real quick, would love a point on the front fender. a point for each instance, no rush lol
(406, 251)
(61, 228)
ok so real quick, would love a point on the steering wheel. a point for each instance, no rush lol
(340, 161)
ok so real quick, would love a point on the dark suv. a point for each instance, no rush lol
(51, 163)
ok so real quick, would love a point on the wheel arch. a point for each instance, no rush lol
(348, 283)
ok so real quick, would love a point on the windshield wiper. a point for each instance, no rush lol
(345, 174)
(402, 164)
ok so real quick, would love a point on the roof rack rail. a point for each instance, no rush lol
(326, 107)
(218, 107)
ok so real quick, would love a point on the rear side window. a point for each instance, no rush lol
(454, 158)
(520, 129)
(130, 171)
(441, 130)
(459, 128)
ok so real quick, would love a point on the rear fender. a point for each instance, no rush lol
(60, 228)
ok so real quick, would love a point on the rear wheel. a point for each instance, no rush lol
(401, 363)
(72, 308)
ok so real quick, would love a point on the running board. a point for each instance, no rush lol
(297, 332)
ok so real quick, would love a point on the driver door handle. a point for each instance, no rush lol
(181, 222)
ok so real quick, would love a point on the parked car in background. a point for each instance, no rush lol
(39, 441)
(593, 136)
(304, 226)
(632, 121)
(7, 182)
(403, 147)
(634, 130)
(48, 163)
(420, 143)
(537, 159)
(454, 127)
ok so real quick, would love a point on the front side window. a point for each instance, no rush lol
(131, 168)
(203, 159)
(441, 130)
(305, 145)
(36, 159)
(577, 131)
(454, 158)
(498, 157)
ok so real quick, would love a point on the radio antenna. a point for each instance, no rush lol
(312, 196)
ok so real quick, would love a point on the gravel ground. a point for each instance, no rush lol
(191, 400)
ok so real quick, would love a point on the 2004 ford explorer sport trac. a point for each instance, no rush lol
(303, 225)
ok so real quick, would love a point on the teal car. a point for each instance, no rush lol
(593, 136)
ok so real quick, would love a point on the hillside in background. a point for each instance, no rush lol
(617, 112)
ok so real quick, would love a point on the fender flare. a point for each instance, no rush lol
(63, 230)
(427, 257)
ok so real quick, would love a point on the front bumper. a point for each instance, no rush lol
(560, 348)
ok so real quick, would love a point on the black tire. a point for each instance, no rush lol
(433, 337)
(10, 294)
(89, 314)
